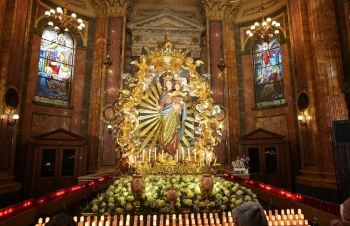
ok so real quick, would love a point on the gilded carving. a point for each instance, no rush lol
(111, 6)
(221, 8)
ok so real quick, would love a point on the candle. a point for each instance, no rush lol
(149, 155)
(183, 155)
(163, 155)
(155, 154)
(143, 155)
(177, 155)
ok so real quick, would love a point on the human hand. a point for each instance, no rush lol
(338, 223)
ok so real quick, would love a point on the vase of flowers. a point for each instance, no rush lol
(206, 186)
(245, 160)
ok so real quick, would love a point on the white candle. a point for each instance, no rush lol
(189, 154)
(155, 154)
(163, 155)
(183, 155)
(143, 155)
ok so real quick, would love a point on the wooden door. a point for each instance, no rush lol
(57, 169)
(271, 165)
(67, 169)
(264, 164)
(47, 170)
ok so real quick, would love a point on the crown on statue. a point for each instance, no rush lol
(165, 56)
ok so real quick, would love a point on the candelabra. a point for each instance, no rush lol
(266, 30)
(61, 20)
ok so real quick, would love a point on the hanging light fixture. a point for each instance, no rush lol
(61, 20)
(266, 30)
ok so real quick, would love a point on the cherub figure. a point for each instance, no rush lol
(142, 68)
(191, 67)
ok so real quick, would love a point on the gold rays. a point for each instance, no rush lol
(149, 119)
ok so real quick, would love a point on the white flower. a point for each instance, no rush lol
(239, 202)
(94, 208)
(223, 207)
(239, 192)
(160, 202)
(247, 198)
(129, 206)
(119, 210)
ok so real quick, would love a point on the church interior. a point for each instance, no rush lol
(263, 83)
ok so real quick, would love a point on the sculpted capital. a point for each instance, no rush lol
(103, 7)
(226, 9)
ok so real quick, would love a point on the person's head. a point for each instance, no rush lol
(345, 211)
(61, 220)
(169, 85)
(275, 69)
(249, 213)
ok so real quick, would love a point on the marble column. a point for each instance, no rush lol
(95, 109)
(324, 81)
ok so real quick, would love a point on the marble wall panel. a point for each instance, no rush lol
(6, 141)
(276, 123)
(216, 53)
(109, 154)
(115, 51)
(44, 123)
(17, 44)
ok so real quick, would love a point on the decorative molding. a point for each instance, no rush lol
(136, 50)
(226, 9)
(152, 12)
(102, 7)
(196, 53)
(257, 8)
(79, 3)
(277, 124)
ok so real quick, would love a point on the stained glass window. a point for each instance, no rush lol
(268, 74)
(55, 67)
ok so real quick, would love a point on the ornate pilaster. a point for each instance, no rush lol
(219, 16)
(221, 8)
(103, 7)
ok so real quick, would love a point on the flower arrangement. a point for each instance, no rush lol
(246, 162)
(118, 199)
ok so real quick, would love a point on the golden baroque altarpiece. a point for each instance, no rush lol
(166, 122)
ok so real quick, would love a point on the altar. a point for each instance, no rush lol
(166, 129)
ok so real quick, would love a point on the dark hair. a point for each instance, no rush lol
(250, 213)
(61, 220)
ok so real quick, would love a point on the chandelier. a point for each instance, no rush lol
(266, 30)
(61, 20)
